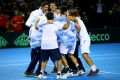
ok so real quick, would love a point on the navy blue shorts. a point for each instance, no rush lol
(54, 54)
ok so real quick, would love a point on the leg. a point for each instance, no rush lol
(54, 70)
(76, 55)
(74, 60)
(89, 61)
(43, 66)
(44, 58)
(64, 61)
(39, 60)
(34, 60)
(85, 44)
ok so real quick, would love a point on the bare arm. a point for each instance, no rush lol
(67, 24)
(77, 25)
(36, 24)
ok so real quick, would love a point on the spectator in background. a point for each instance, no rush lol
(100, 7)
(68, 3)
(9, 27)
(17, 21)
(3, 21)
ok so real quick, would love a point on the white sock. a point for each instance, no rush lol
(66, 66)
(42, 71)
(59, 72)
(93, 67)
(77, 65)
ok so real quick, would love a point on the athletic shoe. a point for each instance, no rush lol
(54, 70)
(58, 76)
(28, 74)
(78, 72)
(37, 74)
(65, 70)
(83, 72)
(67, 75)
(42, 76)
(92, 73)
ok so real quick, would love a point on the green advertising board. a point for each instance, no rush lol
(14, 39)
(104, 35)
(19, 39)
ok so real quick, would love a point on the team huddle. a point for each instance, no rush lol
(54, 33)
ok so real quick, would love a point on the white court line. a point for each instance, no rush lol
(37, 78)
(15, 61)
(16, 65)
(79, 56)
(106, 72)
(13, 65)
(49, 65)
(106, 55)
(108, 58)
(101, 72)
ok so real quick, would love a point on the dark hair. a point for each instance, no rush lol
(63, 9)
(50, 15)
(73, 12)
(53, 3)
(44, 3)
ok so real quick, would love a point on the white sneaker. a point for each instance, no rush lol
(67, 75)
(82, 72)
(79, 73)
(58, 76)
(41, 76)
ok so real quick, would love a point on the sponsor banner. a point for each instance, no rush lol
(14, 39)
(19, 39)
(104, 35)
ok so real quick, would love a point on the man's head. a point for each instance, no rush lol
(50, 15)
(53, 6)
(63, 9)
(73, 13)
(45, 6)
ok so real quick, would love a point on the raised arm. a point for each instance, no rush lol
(77, 25)
(67, 24)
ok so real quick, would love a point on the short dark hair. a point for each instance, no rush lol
(63, 9)
(50, 15)
(73, 12)
(44, 3)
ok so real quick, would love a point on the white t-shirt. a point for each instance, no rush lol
(49, 35)
(83, 34)
(84, 38)
(33, 16)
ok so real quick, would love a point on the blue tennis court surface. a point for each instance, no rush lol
(14, 61)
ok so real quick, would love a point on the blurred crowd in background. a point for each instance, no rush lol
(94, 13)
